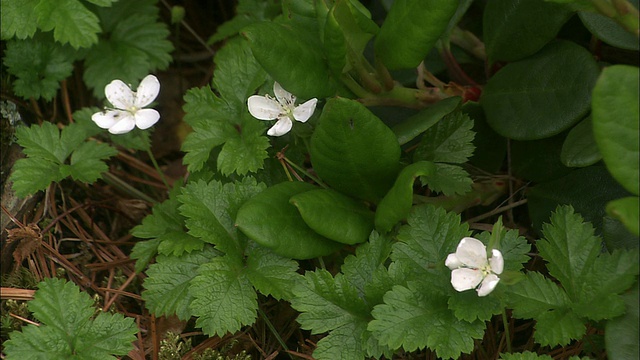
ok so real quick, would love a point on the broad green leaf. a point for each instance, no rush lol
(287, 55)
(616, 235)
(396, 205)
(449, 180)
(224, 300)
(526, 355)
(608, 30)
(343, 343)
(270, 220)
(514, 29)
(579, 148)
(366, 269)
(18, 19)
(70, 21)
(541, 95)
(622, 333)
(87, 161)
(28, 175)
(143, 252)
(491, 148)
(449, 141)
(167, 283)
(108, 334)
(616, 120)
(626, 210)
(247, 150)
(343, 154)
(468, 306)
(415, 125)
(410, 30)
(44, 142)
(334, 215)
(37, 343)
(538, 160)
(271, 274)
(39, 65)
(210, 210)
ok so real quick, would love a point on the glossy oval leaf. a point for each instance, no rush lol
(627, 211)
(410, 31)
(396, 205)
(353, 151)
(579, 148)
(416, 124)
(542, 95)
(608, 30)
(271, 221)
(334, 215)
(616, 119)
(291, 59)
(514, 29)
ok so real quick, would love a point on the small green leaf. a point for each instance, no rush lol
(271, 274)
(271, 221)
(223, 298)
(415, 125)
(626, 210)
(247, 150)
(450, 140)
(401, 43)
(18, 19)
(541, 95)
(366, 269)
(616, 120)
(579, 148)
(622, 333)
(291, 59)
(342, 153)
(396, 205)
(334, 215)
(526, 355)
(608, 30)
(514, 29)
(70, 21)
(87, 161)
(449, 180)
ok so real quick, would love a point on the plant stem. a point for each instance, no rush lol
(115, 181)
(305, 172)
(155, 164)
(505, 323)
(273, 330)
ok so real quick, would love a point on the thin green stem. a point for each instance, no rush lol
(155, 164)
(505, 323)
(115, 181)
(305, 172)
(273, 330)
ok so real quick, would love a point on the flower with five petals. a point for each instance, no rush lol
(282, 108)
(129, 106)
(470, 267)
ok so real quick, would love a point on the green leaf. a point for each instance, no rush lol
(413, 318)
(526, 355)
(400, 43)
(449, 180)
(416, 124)
(366, 270)
(167, 283)
(271, 221)
(616, 120)
(18, 19)
(396, 205)
(626, 210)
(342, 153)
(271, 274)
(224, 299)
(210, 210)
(143, 252)
(247, 150)
(608, 30)
(334, 215)
(450, 140)
(31, 175)
(579, 148)
(288, 54)
(39, 65)
(541, 95)
(67, 330)
(516, 29)
(87, 161)
(621, 334)
(70, 21)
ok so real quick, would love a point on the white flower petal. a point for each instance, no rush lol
(465, 279)
(284, 97)
(264, 108)
(124, 125)
(496, 261)
(488, 284)
(304, 111)
(282, 126)
(119, 94)
(472, 253)
(147, 91)
(453, 262)
(145, 118)
(106, 119)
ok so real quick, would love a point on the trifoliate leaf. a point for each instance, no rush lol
(414, 318)
(38, 65)
(70, 21)
(18, 19)
(210, 210)
(67, 330)
(271, 274)
(449, 180)
(224, 299)
(450, 140)
(167, 283)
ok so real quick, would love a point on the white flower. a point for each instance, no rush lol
(284, 109)
(129, 104)
(472, 268)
